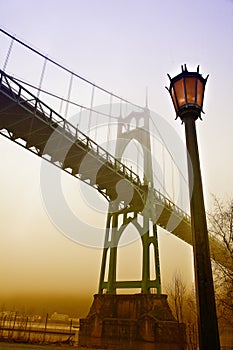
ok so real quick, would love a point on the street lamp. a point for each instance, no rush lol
(187, 93)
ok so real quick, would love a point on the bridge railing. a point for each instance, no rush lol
(167, 202)
(31, 103)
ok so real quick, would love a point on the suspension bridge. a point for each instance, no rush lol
(44, 129)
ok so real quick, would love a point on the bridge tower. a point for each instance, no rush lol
(132, 321)
(134, 126)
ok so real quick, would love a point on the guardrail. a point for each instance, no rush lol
(167, 202)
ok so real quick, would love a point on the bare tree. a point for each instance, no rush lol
(190, 317)
(220, 224)
(176, 292)
(182, 300)
(183, 305)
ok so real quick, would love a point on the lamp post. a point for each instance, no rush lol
(187, 93)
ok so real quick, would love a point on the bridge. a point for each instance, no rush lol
(30, 122)
(43, 129)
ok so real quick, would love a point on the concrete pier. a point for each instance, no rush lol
(135, 321)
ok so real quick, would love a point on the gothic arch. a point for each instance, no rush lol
(118, 221)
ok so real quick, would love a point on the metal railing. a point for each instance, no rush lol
(168, 203)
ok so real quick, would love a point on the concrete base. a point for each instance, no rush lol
(137, 322)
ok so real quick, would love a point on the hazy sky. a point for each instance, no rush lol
(124, 46)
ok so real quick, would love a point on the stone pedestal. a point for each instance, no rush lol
(137, 322)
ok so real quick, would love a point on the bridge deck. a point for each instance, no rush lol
(47, 134)
(28, 121)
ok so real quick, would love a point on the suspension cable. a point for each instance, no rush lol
(169, 152)
(41, 78)
(8, 53)
(110, 115)
(68, 70)
(68, 96)
(62, 98)
(91, 108)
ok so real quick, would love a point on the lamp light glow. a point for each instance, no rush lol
(187, 93)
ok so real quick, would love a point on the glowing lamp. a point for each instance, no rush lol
(187, 93)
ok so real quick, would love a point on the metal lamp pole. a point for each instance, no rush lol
(187, 92)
